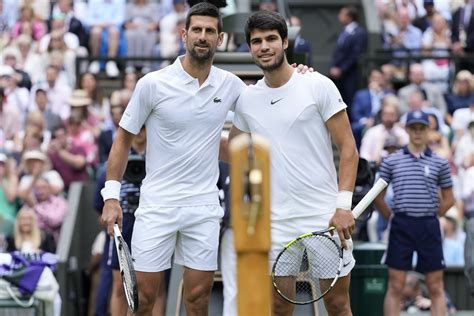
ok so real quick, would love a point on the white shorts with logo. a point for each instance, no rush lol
(284, 231)
(191, 233)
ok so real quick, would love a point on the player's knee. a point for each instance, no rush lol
(146, 302)
(396, 287)
(338, 305)
(198, 295)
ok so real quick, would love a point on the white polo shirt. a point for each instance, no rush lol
(292, 117)
(183, 126)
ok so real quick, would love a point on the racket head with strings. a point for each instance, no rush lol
(300, 282)
(127, 271)
(307, 268)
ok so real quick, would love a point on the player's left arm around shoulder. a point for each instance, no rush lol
(341, 134)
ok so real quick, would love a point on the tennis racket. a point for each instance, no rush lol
(309, 266)
(126, 270)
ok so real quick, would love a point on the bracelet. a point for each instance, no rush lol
(344, 200)
(111, 190)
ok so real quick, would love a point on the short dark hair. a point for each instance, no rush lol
(204, 9)
(217, 3)
(266, 20)
(352, 12)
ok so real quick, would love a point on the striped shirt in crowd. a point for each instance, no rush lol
(415, 181)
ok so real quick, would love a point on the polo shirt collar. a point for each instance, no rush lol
(428, 152)
(187, 78)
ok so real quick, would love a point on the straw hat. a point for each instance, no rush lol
(79, 98)
(34, 154)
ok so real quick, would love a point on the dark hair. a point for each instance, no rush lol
(204, 9)
(2, 93)
(352, 12)
(266, 20)
(217, 3)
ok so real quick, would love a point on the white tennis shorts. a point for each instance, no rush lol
(191, 233)
(284, 231)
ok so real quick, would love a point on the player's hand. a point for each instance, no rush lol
(344, 222)
(111, 214)
(302, 68)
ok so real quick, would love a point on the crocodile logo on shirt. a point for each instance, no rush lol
(217, 100)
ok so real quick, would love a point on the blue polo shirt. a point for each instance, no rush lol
(416, 181)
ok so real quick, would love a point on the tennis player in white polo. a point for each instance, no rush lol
(184, 107)
(300, 115)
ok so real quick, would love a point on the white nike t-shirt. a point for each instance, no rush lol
(292, 117)
(183, 126)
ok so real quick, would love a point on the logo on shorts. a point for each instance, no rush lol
(346, 264)
(217, 100)
(273, 102)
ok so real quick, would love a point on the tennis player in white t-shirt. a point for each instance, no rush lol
(300, 115)
(183, 107)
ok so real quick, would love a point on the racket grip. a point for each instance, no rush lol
(117, 230)
(378, 187)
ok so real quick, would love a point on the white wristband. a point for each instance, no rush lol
(344, 200)
(111, 190)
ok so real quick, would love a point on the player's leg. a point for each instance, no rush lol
(435, 283)
(398, 257)
(281, 307)
(393, 297)
(337, 300)
(197, 289)
(148, 284)
(196, 249)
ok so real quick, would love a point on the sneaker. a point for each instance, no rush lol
(94, 67)
(111, 69)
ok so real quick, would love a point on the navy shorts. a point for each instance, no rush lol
(127, 230)
(409, 234)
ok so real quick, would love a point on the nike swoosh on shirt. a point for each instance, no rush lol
(273, 102)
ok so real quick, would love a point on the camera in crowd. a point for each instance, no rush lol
(135, 171)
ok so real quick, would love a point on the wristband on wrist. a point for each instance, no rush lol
(111, 190)
(344, 200)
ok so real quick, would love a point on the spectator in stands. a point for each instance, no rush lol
(405, 37)
(99, 108)
(453, 241)
(374, 139)
(60, 55)
(71, 22)
(105, 16)
(83, 127)
(418, 83)
(9, 11)
(58, 93)
(351, 43)
(129, 81)
(35, 165)
(461, 93)
(67, 158)
(141, 32)
(462, 32)
(461, 119)
(366, 105)
(29, 24)
(29, 60)
(437, 43)
(301, 45)
(389, 76)
(268, 5)
(11, 57)
(4, 27)
(107, 134)
(35, 123)
(8, 194)
(414, 218)
(437, 141)
(50, 208)
(27, 236)
(425, 21)
(51, 120)
(10, 120)
(171, 43)
(16, 97)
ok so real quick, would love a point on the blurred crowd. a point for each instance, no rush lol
(56, 128)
